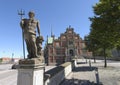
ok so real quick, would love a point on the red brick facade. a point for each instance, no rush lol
(68, 46)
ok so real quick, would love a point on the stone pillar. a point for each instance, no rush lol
(31, 72)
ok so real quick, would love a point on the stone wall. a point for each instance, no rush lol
(56, 75)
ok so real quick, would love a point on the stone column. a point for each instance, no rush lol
(30, 72)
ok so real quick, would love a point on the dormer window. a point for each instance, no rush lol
(76, 37)
(63, 37)
(69, 31)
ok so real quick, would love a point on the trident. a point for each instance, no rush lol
(21, 13)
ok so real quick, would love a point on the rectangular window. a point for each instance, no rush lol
(58, 51)
(64, 43)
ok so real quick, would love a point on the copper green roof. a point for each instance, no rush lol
(50, 40)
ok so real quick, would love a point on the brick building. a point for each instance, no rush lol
(66, 47)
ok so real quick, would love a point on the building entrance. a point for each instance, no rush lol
(71, 52)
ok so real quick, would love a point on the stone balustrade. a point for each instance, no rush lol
(56, 75)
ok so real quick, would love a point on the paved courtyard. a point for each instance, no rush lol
(8, 76)
(82, 74)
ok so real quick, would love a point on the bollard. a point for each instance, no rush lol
(90, 63)
(97, 76)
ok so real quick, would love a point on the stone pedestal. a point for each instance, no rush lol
(31, 72)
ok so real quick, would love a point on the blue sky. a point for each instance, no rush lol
(56, 13)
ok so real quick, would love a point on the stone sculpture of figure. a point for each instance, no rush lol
(29, 30)
(39, 41)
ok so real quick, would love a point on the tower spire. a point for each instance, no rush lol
(51, 31)
(69, 26)
(47, 39)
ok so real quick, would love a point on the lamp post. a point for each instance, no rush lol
(12, 57)
(87, 41)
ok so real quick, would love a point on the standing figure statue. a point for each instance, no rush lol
(29, 31)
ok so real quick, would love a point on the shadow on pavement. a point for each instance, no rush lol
(75, 81)
(78, 82)
(85, 68)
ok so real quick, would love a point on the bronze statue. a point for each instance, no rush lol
(29, 30)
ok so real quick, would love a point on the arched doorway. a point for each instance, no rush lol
(71, 52)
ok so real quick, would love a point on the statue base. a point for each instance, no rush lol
(30, 72)
(31, 62)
